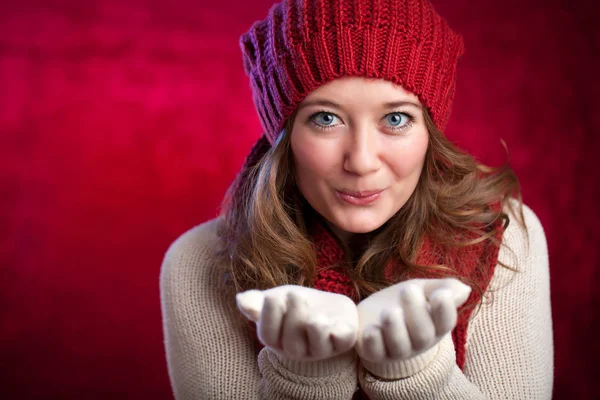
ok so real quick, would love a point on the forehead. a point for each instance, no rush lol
(359, 96)
(361, 89)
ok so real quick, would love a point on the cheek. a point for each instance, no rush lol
(312, 158)
(407, 160)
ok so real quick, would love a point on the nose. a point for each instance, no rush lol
(362, 153)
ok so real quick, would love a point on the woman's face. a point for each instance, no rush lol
(359, 146)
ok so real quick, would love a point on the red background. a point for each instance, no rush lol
(123, 123)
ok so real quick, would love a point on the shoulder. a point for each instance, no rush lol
(525, 236)
(190, 260)
(196, 241)
(193, 301)
(524, 250)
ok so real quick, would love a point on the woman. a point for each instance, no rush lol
(369, 257)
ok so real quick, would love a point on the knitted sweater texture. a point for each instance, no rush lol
(509, 345)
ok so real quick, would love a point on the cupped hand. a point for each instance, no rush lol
(300, 322)
(406, 319)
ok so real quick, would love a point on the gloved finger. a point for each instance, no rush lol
(294, 337)
(395, 334)
(269, 326)
(342, 336)
(443, 311)
(250, 303)
(460, 291)
(320, 344)
(416, 314)
(371, 344)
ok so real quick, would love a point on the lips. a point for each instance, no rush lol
(364, 193)
(359, 198)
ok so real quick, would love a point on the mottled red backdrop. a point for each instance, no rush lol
(123, 122)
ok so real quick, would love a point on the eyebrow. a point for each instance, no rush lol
(329, 103)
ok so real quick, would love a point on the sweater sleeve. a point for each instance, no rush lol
(509, 350)
(210, 357)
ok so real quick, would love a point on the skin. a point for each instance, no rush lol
(347, 136)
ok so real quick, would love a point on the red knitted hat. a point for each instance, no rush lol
(303, 44)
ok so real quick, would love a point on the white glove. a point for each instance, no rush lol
(406, 319)
(301, 323)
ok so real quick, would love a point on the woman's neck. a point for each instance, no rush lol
(354, 244)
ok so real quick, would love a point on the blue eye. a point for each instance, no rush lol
(324, 118)
(395, 119)
(399, 121)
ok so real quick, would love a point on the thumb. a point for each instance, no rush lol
(460, 291)
(250, 303)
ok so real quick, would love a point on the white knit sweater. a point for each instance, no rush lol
(509, 350)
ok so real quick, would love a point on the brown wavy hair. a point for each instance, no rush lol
(264, 229)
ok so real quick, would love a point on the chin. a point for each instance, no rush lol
(361, 226)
